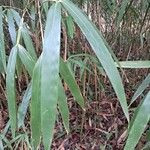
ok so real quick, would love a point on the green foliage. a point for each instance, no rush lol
(36, 104)
(10, 87)
(70, 26)
(47, 72)
(69, 79)
(63, 106)
(140, 120)
(50, 73)
(96, 41)
(2, 46)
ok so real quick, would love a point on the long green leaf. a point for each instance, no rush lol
(22, 110)
(16, 16)
(36, 104)
(121, 11)
(67, 75)
(70, 26)
(50, 73)
(141, 88)
(134, 64)
(63, 106)
(1, 144)
(97, 43)
(1, 66)
(10, 88)
(11, 26)
(19, 66)
(26, 59)
(2, 46)
(28, 43)
(139, 124)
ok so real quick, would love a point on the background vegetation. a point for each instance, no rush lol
(93, 52)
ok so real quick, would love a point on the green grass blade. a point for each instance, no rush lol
(29, 44)
(19, 67)
(70, 26)
(26, 59)
(33, 15)
(10, 88)
(63, 106)
(2, 45)
(22, 110)
(16, 16)
(140, 121)
(1, 144)
(36, 104)
(141, 88)
(103, 54)
(121, 11)
(45, 6)
(1, 66)
(50, 73)
(134, 64)
(7, 143)
(11, 26)
(82, 64)
(67, 75)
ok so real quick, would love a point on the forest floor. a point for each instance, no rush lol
(103, 125)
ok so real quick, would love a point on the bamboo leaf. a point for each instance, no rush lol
(121, 11)
(1, 144)
(19, 67)
(70, 26)
(28, 43)
(63, 106)
(134, 64)
(50, 73)
(96, 41)
(11, 26)
(36, 104)
(22, 110)
(10, 88)
(33, 16)
(141, 88)
(1, 66)
(2, 45)
(26, 59)
(16, 16)
(69, 79)
(139, 124)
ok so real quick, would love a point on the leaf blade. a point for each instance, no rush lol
(10, 88)
(26, 59)
(96, 41)
(69, 79)
(36, 104)
(141, 88)
(2, 45)
(140, 121)
(22, 110)
(11, 26)
(134, 64)
(50, 73)
(63, 106)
